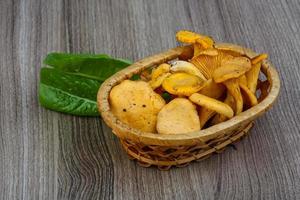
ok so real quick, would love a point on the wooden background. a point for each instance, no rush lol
(49, 155)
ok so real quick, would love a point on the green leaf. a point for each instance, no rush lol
(70, 82)
(98, 67)
(68, 93)
(63, 60)
(166, 96)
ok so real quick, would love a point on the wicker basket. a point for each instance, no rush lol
(165, 151)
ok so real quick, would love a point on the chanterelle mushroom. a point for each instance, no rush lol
(159, 74)
(182, 84)
(191, 37)
(213, 90)
(178, 116)
(200, 42)
(187, 67)
(231, 49)
(208, 61)
(253, 73)
(212, 104)
(228, 73)
(135, 103)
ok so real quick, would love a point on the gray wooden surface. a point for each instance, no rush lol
(48, 155)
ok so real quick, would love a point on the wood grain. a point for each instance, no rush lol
(49, 155)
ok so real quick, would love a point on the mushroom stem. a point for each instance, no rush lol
(253, 73)
(218, 119)
(252, 77)
(221, 118)
(233, 88)
(243, 80)
(212, 89)
(249, 98)
(204, 115)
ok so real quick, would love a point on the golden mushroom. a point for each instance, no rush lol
(206, 42)
(253, 73)
(259, 58)
(212, 104)
(200, 42)
(231, 49)
(187, 36)
(187, 67)
(207, 63)
(205, 114)
(178, 116)
(161, 69)
(159, 74)
(213, 90)
(136, 104)
(187, 53)
(243, 80)
(182, 84)
(209, 52)
(218, 118)
(249, 97)
(232, 68)
(228, 74)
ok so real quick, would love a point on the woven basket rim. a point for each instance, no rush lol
(126, 132)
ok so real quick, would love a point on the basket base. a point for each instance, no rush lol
(164, 157)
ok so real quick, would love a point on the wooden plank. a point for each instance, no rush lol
(49, 155)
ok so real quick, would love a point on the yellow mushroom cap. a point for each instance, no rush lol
(136, 104)
(209, 52)
(161, 69)
(207, 63)
(182, 84)
(259, 58)
(187, 36)
(231, 49)
(201, 42)
(187, 67)
(205, 41)
(155, 83)
(212, 104)
(212, 90)
(178, 116)
(232, 68)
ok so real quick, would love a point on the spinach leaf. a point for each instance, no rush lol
(68, 93)
(70, 82)
(98, 67)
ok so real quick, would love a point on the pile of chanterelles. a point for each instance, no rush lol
(217, 82)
